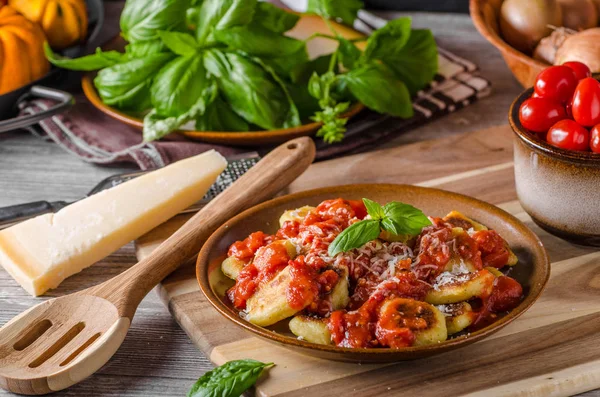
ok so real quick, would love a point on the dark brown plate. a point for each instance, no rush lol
(307, 25)
(532, 271)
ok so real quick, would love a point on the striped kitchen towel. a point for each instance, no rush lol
(94, 137)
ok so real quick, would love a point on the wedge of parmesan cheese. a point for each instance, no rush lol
(41, 252)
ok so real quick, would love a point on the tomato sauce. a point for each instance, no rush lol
(244, 250)
(493, 248)
(506, 294)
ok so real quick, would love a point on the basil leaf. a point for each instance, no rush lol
(178, 85)
(274, 18)
(348, 53)
(127, 85)
(378, 89)
(252, 90)
(220, 117)
(179, 43)
(285, 65)
(157, 126)
(142, 19)
(417, 62)
(355, 236)
(307, 104)
(374, 209)
(229, 380)
(390, 39)
(302, 73)
(257, 40)
(99, 60)
(142, 48)
(403, 218)
(222, 14)
(346, 10)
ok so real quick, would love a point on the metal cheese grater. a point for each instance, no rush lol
(237, 166)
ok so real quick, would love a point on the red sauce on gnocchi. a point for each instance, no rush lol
(385, 293)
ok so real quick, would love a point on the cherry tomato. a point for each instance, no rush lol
(586, 102)
(556, 82)
(581, 70)
(595, 139)
(567, 134)
(569, 109)
(539, 114)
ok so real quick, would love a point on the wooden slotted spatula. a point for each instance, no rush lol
(64, 340)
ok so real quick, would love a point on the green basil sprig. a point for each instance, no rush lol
(229, 380)
(394, 217)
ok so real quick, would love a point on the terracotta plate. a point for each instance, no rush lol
(532, 271)
(307, 25)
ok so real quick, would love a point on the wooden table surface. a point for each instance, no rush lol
(157, 358)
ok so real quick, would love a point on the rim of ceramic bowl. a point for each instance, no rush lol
(589, 159)
(202, 275)
(493, 37)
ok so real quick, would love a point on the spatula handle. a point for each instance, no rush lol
(273, 173)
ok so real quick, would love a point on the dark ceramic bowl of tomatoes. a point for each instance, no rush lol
(557, 164)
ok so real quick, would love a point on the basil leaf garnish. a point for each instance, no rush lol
(374, 209)
(229, 380)
(403, 218)
(355, 236)
(395, 217)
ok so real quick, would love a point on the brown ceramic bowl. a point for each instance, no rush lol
(559, 189)
(307, 25)
(485, 18)
(532, 271)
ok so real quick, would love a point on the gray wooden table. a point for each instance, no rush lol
(157, 358)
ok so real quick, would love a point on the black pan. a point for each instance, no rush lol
(41, 88)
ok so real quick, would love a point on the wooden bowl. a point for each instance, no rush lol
(558, 188)
(485, 18)
(307, 25)
(532, 271)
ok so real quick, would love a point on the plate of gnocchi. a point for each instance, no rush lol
(373, 273)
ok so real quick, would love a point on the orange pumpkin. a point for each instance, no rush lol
(64, 21)
(22, 57)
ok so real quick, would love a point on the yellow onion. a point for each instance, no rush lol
(525, 22)
(582, 47)
(579, 14)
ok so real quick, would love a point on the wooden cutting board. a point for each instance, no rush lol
(552, 350)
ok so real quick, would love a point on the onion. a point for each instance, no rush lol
(525, 22)
(582, 47)
(579, 14)
(546, 50)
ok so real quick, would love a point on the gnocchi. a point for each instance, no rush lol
(397, 290)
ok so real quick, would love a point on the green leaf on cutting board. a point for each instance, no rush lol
(178, 42)
(127, 85)
(222, 14)
(96, 61)
(252, 90)
(220, 117)
(229, 380)
(377, 88)
(178, 85)
(346, 10)
(157, 126)
(142, 19)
